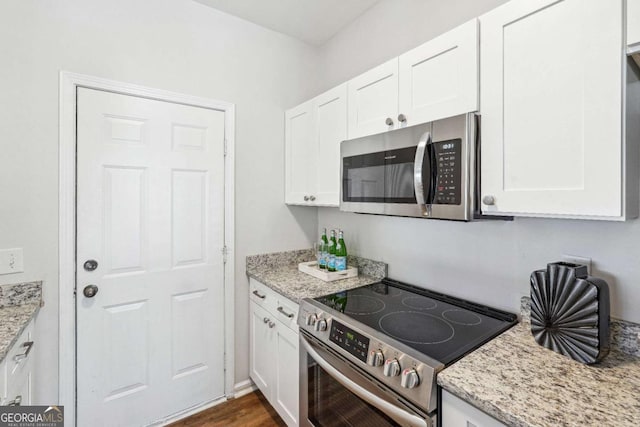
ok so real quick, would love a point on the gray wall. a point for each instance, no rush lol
(489, 262)
(176, 45)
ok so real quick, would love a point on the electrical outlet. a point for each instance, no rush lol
(575, 259)
(11, 261)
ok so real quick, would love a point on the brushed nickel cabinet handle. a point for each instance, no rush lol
(256, 293)
(289, 315)
(20, 357)
(15, 402)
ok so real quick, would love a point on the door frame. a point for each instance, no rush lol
(69, 82)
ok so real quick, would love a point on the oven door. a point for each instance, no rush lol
(335, 393)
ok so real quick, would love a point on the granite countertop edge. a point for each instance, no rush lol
(313, 287)
(14, 320)
(19, 304)
(279, 271)
(512, 369)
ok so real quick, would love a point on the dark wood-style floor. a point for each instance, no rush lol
(251, 410)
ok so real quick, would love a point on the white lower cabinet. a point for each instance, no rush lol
(273, 350)
(455, 412)
(16, 371)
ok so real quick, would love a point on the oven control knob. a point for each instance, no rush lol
(391, 368)
(311, 319)
(375, 358)
(410, 378)
(321, 325)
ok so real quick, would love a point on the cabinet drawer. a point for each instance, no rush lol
(261, 294)
(286, 311)
(19, 358)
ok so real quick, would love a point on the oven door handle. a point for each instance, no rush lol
(392, 411)
(418, 165)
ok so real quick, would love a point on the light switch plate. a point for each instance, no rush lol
(576, 259)
(11, 261)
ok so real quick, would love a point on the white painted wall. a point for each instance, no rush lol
(177, 45)
(489, 262)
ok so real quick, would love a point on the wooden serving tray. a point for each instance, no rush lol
(311, 268)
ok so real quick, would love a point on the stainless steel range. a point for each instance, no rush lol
(370, 355)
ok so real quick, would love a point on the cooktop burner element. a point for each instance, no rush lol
(420, 303)
(363, 304)
(409, 326)
(462, 317)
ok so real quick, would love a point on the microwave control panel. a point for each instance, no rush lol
(448, 155)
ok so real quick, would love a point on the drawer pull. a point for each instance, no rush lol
(256, 293)
(272, 324)
(15, 402)
(289, 315)
(20, 357)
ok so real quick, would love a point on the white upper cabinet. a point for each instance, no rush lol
(435, 80)
(330, 112)
(439, 79)
(300, 154)
(373, 100)
(633, 24)
(551, 84)
(314, 131)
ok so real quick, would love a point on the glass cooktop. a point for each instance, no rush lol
(440, 326)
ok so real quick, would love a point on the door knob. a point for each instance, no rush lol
(389, 121)
(90, 291)
(90, 265)
(402, 118)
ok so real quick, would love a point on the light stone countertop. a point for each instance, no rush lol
(279, 271)
(523, 384)
(13, 320)
(19, 303)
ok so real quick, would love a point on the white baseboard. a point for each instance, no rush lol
(188, 412)
(240, 389)
(243, 388)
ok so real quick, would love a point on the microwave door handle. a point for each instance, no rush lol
(392, 411)
(418, 165)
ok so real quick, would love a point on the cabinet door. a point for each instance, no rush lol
(373, 99)
(439, 79)
(633, 24)
(551, 108)
(261, 350)
(300, 154)
(286, 399)
(330, 112)
(456, 412)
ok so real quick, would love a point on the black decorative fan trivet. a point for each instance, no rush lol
(570, 312)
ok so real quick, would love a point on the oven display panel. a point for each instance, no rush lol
(350, 340)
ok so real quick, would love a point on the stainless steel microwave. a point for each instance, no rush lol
(426, 171)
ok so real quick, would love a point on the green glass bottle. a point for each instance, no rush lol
(341, 253)
(324, 248)
(331, 262)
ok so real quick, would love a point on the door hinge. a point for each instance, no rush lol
(225, 252)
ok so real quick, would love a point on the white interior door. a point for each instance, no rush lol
(150, 211)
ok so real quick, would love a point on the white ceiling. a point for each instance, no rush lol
(312, 21)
